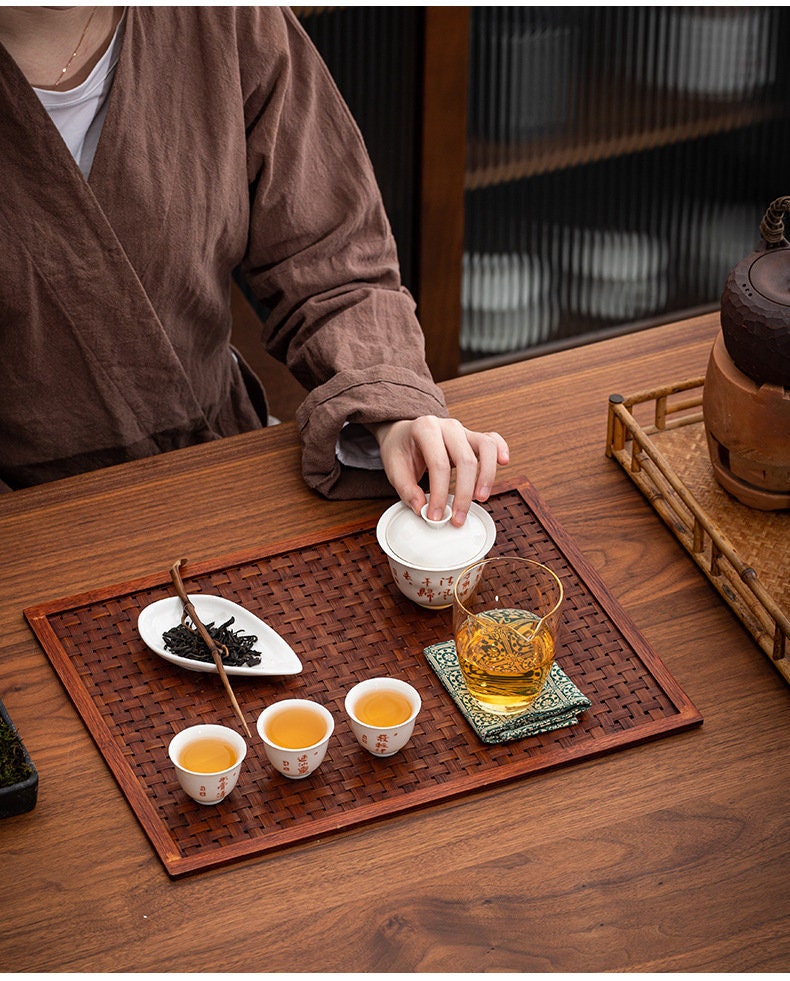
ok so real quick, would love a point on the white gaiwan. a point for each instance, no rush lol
(426, 557)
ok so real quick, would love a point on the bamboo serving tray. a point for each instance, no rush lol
(658, 437)
(333, 600)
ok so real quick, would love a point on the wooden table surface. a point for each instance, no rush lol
(669, 856)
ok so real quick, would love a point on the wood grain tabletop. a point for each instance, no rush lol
(673, 855)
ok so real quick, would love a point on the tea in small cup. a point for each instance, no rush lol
(295, 734)
(207, 760)
(382, 712)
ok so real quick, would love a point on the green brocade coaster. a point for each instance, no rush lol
(557, 706)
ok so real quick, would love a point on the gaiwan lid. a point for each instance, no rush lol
(417, 541)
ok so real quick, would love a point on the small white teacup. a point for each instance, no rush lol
(207, 759)
(382, 712)
(295, 734)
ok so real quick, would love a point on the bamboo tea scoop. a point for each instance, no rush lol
(212, 645)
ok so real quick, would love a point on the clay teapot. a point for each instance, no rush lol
(746, 398)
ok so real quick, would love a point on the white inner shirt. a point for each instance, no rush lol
(79, 113)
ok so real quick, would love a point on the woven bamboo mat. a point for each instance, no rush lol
(333, 600)
(761, 538)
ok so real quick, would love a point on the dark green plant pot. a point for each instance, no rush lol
(17, 798)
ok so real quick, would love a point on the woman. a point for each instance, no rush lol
(149, 153)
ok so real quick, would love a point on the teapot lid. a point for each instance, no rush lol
(769, 274)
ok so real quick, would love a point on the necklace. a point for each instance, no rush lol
(62, 72)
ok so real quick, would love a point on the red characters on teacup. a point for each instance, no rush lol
(302, 765)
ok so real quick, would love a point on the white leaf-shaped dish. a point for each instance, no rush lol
(277, 658)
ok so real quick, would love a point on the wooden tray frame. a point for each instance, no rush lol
(313, 591)
(741, 584)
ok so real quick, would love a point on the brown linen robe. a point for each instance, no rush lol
(225, 145)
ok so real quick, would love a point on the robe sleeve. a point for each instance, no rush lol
(322, 259)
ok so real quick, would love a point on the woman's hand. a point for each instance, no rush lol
(410, 447)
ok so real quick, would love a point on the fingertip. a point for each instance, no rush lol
(458, 518)
(436, 506)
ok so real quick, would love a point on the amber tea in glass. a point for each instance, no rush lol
(505, 616)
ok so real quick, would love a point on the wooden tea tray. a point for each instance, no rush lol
(333, 599)
(658, 438)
